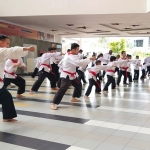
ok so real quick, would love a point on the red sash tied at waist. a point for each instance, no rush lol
(11, 73)
(1, 80)
(125, 68)
(113, 71)
(93, 73)
(72, 74)
(46, 65)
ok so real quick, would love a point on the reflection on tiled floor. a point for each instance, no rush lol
(117, 121)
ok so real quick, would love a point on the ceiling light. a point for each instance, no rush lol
(115, 24)
(70, 24)
(98, 30)
(127, 28)
(54, 30)
(135, 25)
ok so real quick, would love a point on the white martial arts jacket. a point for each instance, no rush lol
(10, 70)
(111, 71)
(45, 61)
(9, 53)
(106, 58)
(93, 71)
(37, 62)
(69, 64)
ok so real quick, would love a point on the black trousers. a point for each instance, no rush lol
(110, 80)
(136, 75)
(129, 76)
(117, 70)
(65, 83)
(143, 74)
(42, 75)
(18, 81)
(124, 73)
(91, 83)
(8, 108)
(81, 76)
(104, 71)
(55, 69)
(34, 72)
(148, 70)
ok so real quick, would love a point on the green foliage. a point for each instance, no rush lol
(118, 46)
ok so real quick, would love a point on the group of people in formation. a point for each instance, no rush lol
(63, 70)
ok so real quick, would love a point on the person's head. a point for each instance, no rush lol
(4, 41)
(74, 48)
(112, 58)
(123, 54)
(100, 55)
(110, 52)
(54, 46)
(118, 56)
(144, 63)
(51, 50)
(129, 56)
(80, 51)
(84, 57)
(137, 57)
(98, 62)
(68, 50)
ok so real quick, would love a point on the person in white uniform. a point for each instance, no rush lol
(6, 100)
(68, 75)
(11, 77)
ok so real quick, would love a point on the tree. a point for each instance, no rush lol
(118, 46)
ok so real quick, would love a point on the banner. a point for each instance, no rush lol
(13, 30)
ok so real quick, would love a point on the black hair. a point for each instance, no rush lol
(84, 57)
(3, 37)
(74, 46)
(123, 52)
(41, 54)
(112, 58)
(80, 50)
(68, 50)
(50, 49)
(144, 63)
(97, 62)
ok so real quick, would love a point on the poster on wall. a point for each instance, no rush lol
(13, 30)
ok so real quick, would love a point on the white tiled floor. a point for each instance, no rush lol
(121, 121)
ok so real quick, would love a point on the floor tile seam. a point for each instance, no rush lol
(119, 127)
(126, 110)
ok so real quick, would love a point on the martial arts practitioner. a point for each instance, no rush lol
(92, 76)
(123, 70)
(68, 75)
(129, 74)
(80, 54)
(45, 70)
(136, 68)
(8, 109)
(143, 68)
(81, 75)
(106, 57)
(117, 69)
(10, 76)
(37, 65)
(110, 73)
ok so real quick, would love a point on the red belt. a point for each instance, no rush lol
(93, 73)
(125, 68)
(111, 71)
(46, 65)
(72, 74)
(1, 80)
(11, 73)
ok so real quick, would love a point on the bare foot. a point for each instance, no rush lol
(75, 100)
(97, 93)
(117, 86)
(9, 120)
(105, 92)
(86, 97)
(31, 92)
(53, 106)
(54, 88)
(20, 96)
